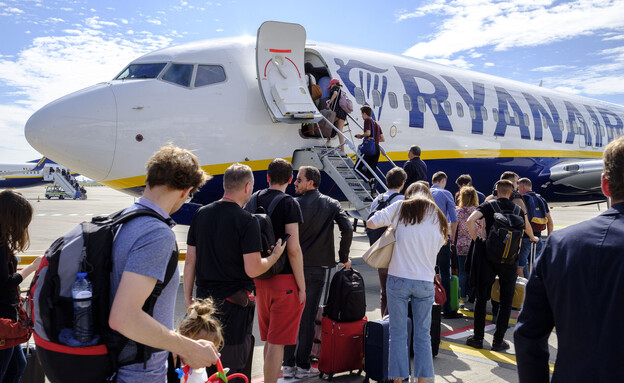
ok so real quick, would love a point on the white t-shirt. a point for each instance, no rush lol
(309, 78)
(416, 247)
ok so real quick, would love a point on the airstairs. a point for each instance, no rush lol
(61, 181)
(342, 171)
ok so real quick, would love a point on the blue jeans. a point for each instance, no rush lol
(525, 251)
(463, 277)
(12, 364)
(400, 292)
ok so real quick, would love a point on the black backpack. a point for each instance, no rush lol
(375, 234)
(266, 231)
(86, 248)
(505, 236)
(347, 297)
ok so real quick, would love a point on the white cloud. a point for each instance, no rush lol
(56, 65)
(458, 63)
(13, 10)
(473, 24)
(219, 30)
(614, 38)
(551, 68)
(154, 21)
(488, 65)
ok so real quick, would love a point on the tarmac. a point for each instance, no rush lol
(455, 362)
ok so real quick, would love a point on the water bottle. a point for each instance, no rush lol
(83, 315)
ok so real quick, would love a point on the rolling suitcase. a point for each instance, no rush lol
(342, 347)
(33, 372)
(454, 293)
(377, 347)
(436, 328)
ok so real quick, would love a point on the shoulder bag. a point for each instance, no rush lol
(380, 253)
(367, 147)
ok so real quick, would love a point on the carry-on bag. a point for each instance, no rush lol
(342, 347)
(347, 297)
(33, 372)
(436, 328)
(377, 347)
(454, 293)
(518, 298)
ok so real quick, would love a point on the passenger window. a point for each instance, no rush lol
(435, 105)
(507, 118)
(526, 119)
(544, 122)
(407, 102)
(179, 74)
(393, 100)
(447, 108)
(359, 95)
(460, 109)
(495, 114)
(561, 125)
(473, 113)
(376, 98)
(422, 107)
(484, 115)
(141, 71)
(209, 74)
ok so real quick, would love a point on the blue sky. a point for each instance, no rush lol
(51, 48)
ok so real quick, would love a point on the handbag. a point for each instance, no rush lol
(14, 333)
(367, 147)
(380, 253)
(440, 293)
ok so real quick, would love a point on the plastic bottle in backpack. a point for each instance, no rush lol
(83, 314)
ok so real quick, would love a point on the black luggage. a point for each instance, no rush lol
(34, 371)
(377, 347)
(436, 325)
(347, 297)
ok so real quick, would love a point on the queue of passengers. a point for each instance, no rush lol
(225, 255)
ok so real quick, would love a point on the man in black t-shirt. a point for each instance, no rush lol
(415, 168)
(507, 274)
(223, 255)
(281, 298)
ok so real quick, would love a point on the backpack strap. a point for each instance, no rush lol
(252, 204)
(393, 196)
(274, 203)
(495, 206)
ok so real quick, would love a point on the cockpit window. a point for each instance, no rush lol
(179, 74)
(141, 71)
(209, 74)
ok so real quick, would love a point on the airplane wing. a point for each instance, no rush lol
(583, 175)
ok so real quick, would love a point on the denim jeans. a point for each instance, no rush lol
(12, 364)
(401, 292)
(299, 354)
(463, 277)
(525, 252)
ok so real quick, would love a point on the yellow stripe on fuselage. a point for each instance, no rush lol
(259, 165)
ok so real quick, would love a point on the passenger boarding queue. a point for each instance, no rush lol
(277, 257)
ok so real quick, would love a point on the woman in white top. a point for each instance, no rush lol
(421, 230)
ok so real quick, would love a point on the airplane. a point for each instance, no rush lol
(32, 173)
(246, 100)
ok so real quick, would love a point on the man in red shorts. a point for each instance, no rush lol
(281, 298)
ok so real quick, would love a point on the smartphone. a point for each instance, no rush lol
(286, 238)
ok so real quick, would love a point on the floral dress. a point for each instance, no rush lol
(462, 243)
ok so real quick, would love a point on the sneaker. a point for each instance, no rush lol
(472, 341)
(500, 346)
(309, 373)
(469, 306)
(453, 315)
(288, 371)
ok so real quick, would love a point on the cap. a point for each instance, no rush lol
(332, 82)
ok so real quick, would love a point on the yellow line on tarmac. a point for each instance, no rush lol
(499, 357)
(487, 317)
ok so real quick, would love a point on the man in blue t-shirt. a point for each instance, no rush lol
(141, 253)
(447, 260)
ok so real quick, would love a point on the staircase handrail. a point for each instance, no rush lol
(381, 149)
(348, 142)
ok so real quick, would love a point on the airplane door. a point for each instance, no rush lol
(279, 63)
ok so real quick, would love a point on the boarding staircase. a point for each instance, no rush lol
(341, 169)
(61, 181)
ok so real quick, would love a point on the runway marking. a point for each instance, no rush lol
(465, 332)
(499, 357)
(512, 319)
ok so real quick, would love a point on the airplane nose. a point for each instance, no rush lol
(78, 131)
